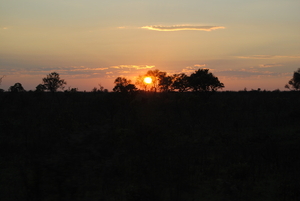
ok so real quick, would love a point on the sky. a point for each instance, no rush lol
(246, 44)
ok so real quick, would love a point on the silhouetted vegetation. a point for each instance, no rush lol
(16, 88)
(124, 86)
(40, 88)
(294, 83)
(101, 89)
(202, 80)
(1, 90)
(199, 81)
(53, 82)
(151, 146)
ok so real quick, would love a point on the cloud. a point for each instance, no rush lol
(137, 67)
(246, 73)
(182, 28)
(71, 70)
(77, 71)
(269, 65)
(268, 56)
(192, 69)
(200, 65)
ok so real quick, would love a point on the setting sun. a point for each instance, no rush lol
(148, 80)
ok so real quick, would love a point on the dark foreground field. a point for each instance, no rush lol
(150, 147)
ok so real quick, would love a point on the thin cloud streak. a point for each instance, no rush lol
(269, 65)
(79, 71)
(247, 73)
(268, 57)
(182, 28)
(137, 67)
(192, 69)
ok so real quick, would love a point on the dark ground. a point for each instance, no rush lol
(150, 146)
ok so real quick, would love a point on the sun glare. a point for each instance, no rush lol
(148, 80)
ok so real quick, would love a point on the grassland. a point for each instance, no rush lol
(150, 146)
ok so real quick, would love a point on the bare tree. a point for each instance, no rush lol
(1, 79)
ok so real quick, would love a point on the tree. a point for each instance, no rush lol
(165, 83)
(40, 88)
(180, 82)
(202, 80)
(101, 89)
(140, 82)
(294, 83)
(17, 88)
(53, 82)
(124, 86)
(1, 90)
(156, 76)
(72, 90)
(1, 79)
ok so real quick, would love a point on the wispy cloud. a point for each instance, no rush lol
(182, 28)
(78, 71)
(192, 69)
(269, 65)
(137, 67)
(71, 70)
(268, 56)
(244, 73)
(199, 65)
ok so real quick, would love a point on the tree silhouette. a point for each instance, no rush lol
(294, 83)
(156, 76)
(140, 82)
(124, 86)
(40, 88)
(202, 80)
(1, 90)
(165, 83)
(17, 88)
(1, 79)
(180, 82)
(53, 82)
(101, 89)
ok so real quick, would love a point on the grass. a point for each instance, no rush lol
(150, 146)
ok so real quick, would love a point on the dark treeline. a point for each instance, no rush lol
(150, 146)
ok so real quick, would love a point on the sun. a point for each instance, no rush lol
(148, 80)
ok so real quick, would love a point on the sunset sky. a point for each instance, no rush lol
(246, 44)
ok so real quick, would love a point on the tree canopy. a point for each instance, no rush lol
(123, 85)
(294, 83)
(17, 88)
(53, 82)
(202, 80)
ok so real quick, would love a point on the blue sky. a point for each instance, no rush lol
(252, 44)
